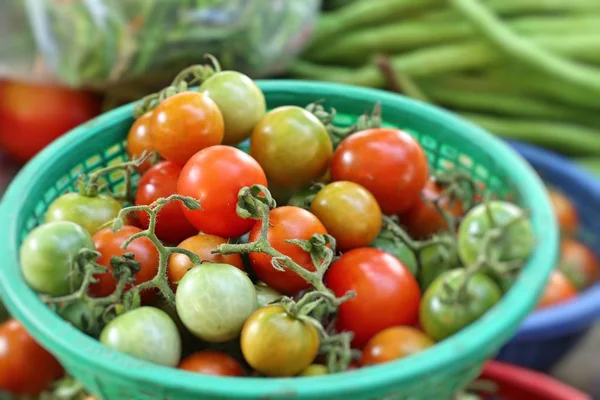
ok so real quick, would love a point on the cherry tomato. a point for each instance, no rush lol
(212, 363)
(292, 146)
(266, 295)
(434, 261)
(386, 293)
(241, 102)
(399, 250)
(286, 223)
(25, 367)
(423, 219)
(565, 211)
(215, 176)
(139, 141)
(515, 244)
(350, 214)
(214, 300)
(442, 315)
(559, 289)
(315, 370)
(184, 124)
(89, 212)
(47, 253)
(108, 244)
(160, 181)
(276, 344)
(394, 343)
(578, 263)
(202, 245)
(389, 163)
(146, 333)
(32, 116)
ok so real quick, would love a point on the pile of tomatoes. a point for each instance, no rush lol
(578, 266)
(298, 258)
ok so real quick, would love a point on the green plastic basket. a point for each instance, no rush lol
(433, 374)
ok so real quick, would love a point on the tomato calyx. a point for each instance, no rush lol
(337, 134)
(93, 313)
(187, 77)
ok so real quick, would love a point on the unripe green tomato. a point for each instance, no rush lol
(240, 100)
(47, 255)
(89, 212)
(214, 300)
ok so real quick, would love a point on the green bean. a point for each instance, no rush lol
(524, 50)
(441, 59)
(352, 48)
(569, 139)
(502, 104)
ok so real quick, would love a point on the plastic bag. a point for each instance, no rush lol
(100, 42)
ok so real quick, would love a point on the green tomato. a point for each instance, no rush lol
(435, 260)
(240, 100)
(266, 295)
(442, 315)
(47, 255)
(292, 146)
(515, 244)
(315, 370)
(89, 212)
(214, 300)
(398, 250)
(146, 333)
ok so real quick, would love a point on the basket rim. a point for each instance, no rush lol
(576, 315)
(461, 349)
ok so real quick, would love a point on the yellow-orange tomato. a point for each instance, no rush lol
(202, 245)
(276, 344)
(393, 343)
(565, 211)
(184, 124)
(558, 290)
(212, 363)
(349, 212)
(139, 141)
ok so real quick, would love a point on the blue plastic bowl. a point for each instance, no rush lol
(547, 335)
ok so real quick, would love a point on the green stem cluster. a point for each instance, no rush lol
(256, 202)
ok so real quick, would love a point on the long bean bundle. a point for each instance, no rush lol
(524, 69)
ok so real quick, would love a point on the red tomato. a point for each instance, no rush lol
(558, 290)
(158, 182)
(212, 363)
(389, 163)
(393, 343)
(565, 211)
(578, 263)
(386, 293)
(109, 244)
(184, 124)
(286, 223)
(215, 176)
(202, 245)
(32, 116)
(25, 367)
(423, 219)
(139, 141)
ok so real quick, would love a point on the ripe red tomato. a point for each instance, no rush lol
(393, 343)
(386, 293)
(558, 290)
(423, 219)
(158, 182)
(215, 175)
(139, 141)
(212, 363)
(202, 245)
(578, 263)
(184, 124)
(565, 211)
(349, 212)
(109, 244)
(389, 163)
(32, 116)
(286, 223)
(25, 367)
